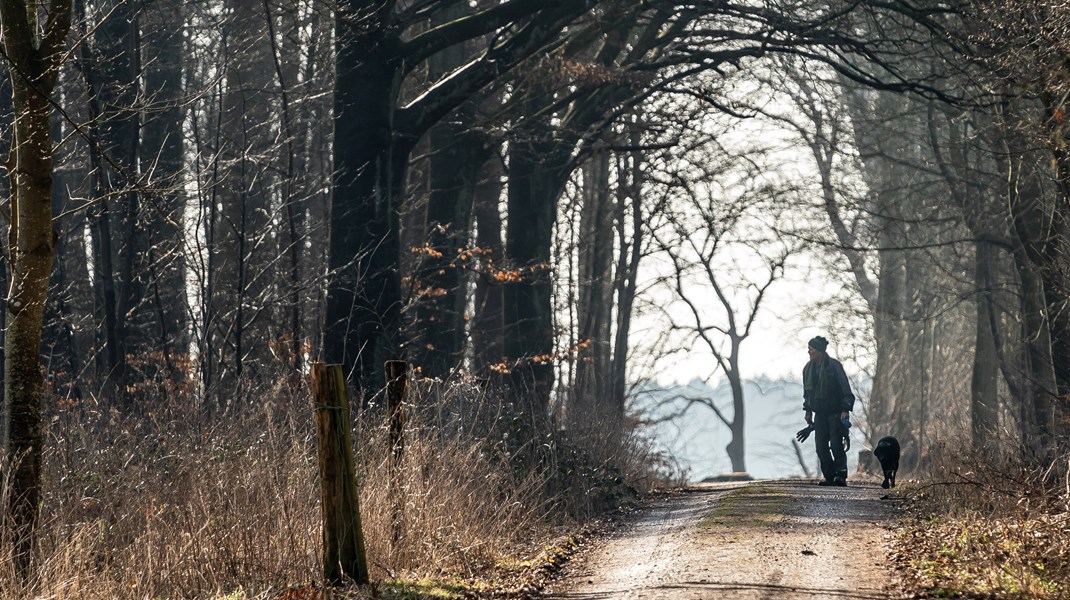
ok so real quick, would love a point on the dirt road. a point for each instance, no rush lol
(762, 539)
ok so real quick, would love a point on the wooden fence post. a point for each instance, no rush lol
(343, 537)
(397, 385)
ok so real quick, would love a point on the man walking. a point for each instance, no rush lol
(828, 402)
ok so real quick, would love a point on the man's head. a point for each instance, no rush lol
(816, 348)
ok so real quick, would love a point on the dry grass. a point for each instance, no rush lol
(989, 529)
(178, 506)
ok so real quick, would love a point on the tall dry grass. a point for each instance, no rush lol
(171, 504)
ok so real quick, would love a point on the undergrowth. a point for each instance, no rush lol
(988, 529)
(171, 503)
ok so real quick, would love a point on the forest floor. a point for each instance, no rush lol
(759, 539)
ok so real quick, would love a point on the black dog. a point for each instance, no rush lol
(887, 451)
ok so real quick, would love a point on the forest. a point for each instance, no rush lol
(537, 205)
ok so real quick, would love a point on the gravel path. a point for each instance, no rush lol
(762, 539)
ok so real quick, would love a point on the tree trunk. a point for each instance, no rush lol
(537, 174)
(31, 246)
(364, 290)
(373, 141)
(630, 248)
(1032, 256)
(243, 259)
(291, 196)
(110, 71)
(886, 325)
(69, 279)
(974, 207)
(457, 151)
(985, 379)
(594, 309)
(1036, 414)
(162, 142)
(7, 116)
(457, 158)
(737, 448)
(488, 326)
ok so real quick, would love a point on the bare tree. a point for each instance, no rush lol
(722, 269)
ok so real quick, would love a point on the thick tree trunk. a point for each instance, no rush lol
(537, 175)
(456, 154)
(1056, 276)
(31, 245)
(373, 139)
(956, 169)
(886, 325)
(441, 292)
(488, 326)
(1033, 255)
(364, 290)
(1036, 414)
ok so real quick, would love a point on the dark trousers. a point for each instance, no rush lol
(829, 433)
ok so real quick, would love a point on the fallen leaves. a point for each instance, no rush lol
(1010, 556)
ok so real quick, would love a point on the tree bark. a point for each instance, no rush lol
(736, 448)
(1032, 255)
(983, 385)
(7, 116)
(538, 168)
(984, 382)
(243, 258)
(457, 151)
(889, 403)
(35, 64)
(594, 309)
(488, 326)
(630, 248)
(109, 68)
(162, 145)
(364, 289)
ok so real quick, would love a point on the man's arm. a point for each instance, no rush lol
(847, 399)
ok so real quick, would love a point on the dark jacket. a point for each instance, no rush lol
(825, 387)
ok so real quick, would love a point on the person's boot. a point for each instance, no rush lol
(840, 481)
(825, 482)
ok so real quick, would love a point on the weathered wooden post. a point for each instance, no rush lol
(343, 537)
(397, 385)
